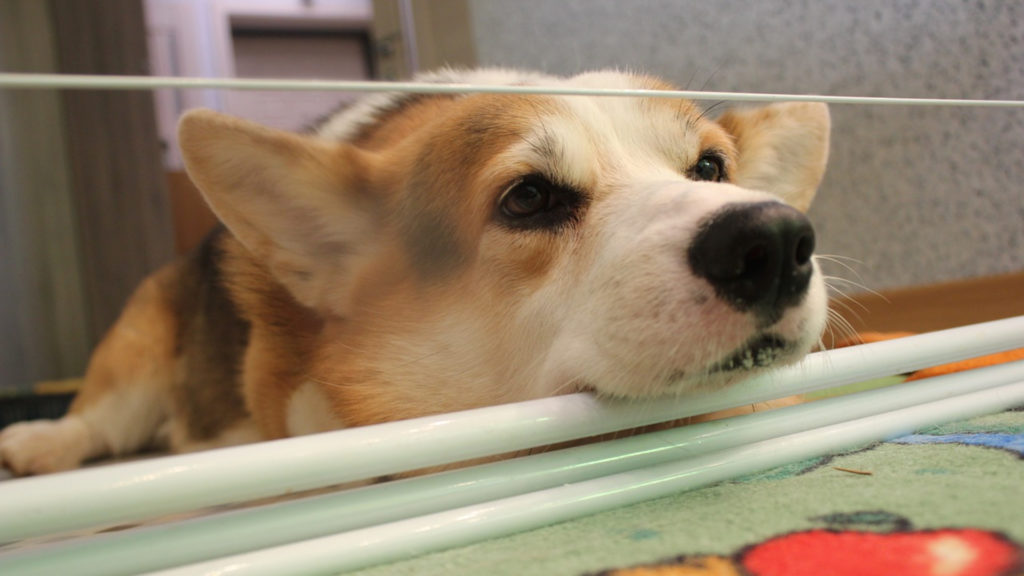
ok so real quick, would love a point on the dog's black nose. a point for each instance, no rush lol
(757, 256)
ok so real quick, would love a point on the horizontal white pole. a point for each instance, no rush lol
(149, 488)
(114, 82)
(434, 532)
(159, 547)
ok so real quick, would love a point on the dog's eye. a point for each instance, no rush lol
(709, 168)
(536, 202)
(527, 198)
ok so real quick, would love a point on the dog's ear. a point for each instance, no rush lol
(783, 149)
(298, 204)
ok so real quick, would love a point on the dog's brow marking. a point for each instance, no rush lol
(550, 154)
(549, 150)
(545, 147)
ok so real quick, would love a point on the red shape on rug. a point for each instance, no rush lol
(923, 553)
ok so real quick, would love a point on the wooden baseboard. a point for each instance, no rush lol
(935, 306)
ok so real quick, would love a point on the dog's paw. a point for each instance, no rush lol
(43, 446)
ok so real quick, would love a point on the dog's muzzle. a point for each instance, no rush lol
(757, 256)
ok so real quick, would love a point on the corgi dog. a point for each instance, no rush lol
(419, 254)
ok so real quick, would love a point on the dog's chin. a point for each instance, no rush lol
(760, 354)
(762, 351)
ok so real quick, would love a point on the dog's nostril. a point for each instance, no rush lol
(756, 256)
(805, 249)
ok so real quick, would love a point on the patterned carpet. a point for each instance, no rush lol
(947, 501)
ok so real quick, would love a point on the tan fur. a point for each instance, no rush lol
(134, 360)
(761, 162)
(139, 347)
(281, 341)
(372, 279)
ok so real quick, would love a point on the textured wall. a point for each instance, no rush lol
(916, 195)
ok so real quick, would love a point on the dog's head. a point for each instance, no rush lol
(483, 248)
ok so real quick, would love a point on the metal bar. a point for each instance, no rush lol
(452, 528)
(160, 547)
(137, 490)
(25, 81)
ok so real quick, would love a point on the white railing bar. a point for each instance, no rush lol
(164, 546)
(114, 82)
(159, 486)
(461, 526)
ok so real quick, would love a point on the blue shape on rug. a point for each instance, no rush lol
(1010, 442)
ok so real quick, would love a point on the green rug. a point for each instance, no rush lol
(947, 501)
